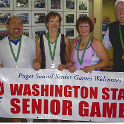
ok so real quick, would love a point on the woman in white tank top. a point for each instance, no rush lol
(52, 45)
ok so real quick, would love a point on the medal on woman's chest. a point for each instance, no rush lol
(81, 68)
(52, 55)
(52, 66)
(81, 61)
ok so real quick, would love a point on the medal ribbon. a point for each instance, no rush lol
(122, 43)
(15, 58)
(52, 55)
(81, 61)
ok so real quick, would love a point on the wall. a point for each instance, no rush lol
(31, 13)
(108, 10)
(97, 10)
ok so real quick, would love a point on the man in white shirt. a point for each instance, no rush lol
(115, 37)
(17, 50)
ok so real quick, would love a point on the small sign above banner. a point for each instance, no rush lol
(105, 18)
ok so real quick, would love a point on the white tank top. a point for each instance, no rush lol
(56, 60)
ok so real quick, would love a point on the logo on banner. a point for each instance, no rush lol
(0, 99)
(1, 90)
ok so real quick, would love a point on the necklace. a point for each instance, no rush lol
(82, 44)
(52, 36)
(81, 61)
(15, 57)
(52, 55)
(122, 43)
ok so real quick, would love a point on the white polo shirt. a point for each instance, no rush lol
(26, 56)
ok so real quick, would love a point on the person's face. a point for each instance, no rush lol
(53, 24)
(15, 28)
(84, 29)
(120, 12)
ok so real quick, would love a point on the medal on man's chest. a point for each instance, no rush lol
(123, 56)
(122, 42)
(15, 57)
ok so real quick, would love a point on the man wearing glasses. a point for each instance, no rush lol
(115, 37)
(17, 50)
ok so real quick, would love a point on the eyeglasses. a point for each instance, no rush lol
(16, 24)
(119, 9)
(84, 26)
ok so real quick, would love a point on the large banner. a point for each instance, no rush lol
(53, 94)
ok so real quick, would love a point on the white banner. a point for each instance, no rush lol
(53, 94)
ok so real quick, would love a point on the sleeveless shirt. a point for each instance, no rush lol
(90, 57)
(59, 57)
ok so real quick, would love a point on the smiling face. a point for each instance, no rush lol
(53, 24)
(84, 29)
(120, 12)
(15, 28)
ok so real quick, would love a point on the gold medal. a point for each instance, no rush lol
(123, 57)
(122, 42)
(81, 68)
(81, 61)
